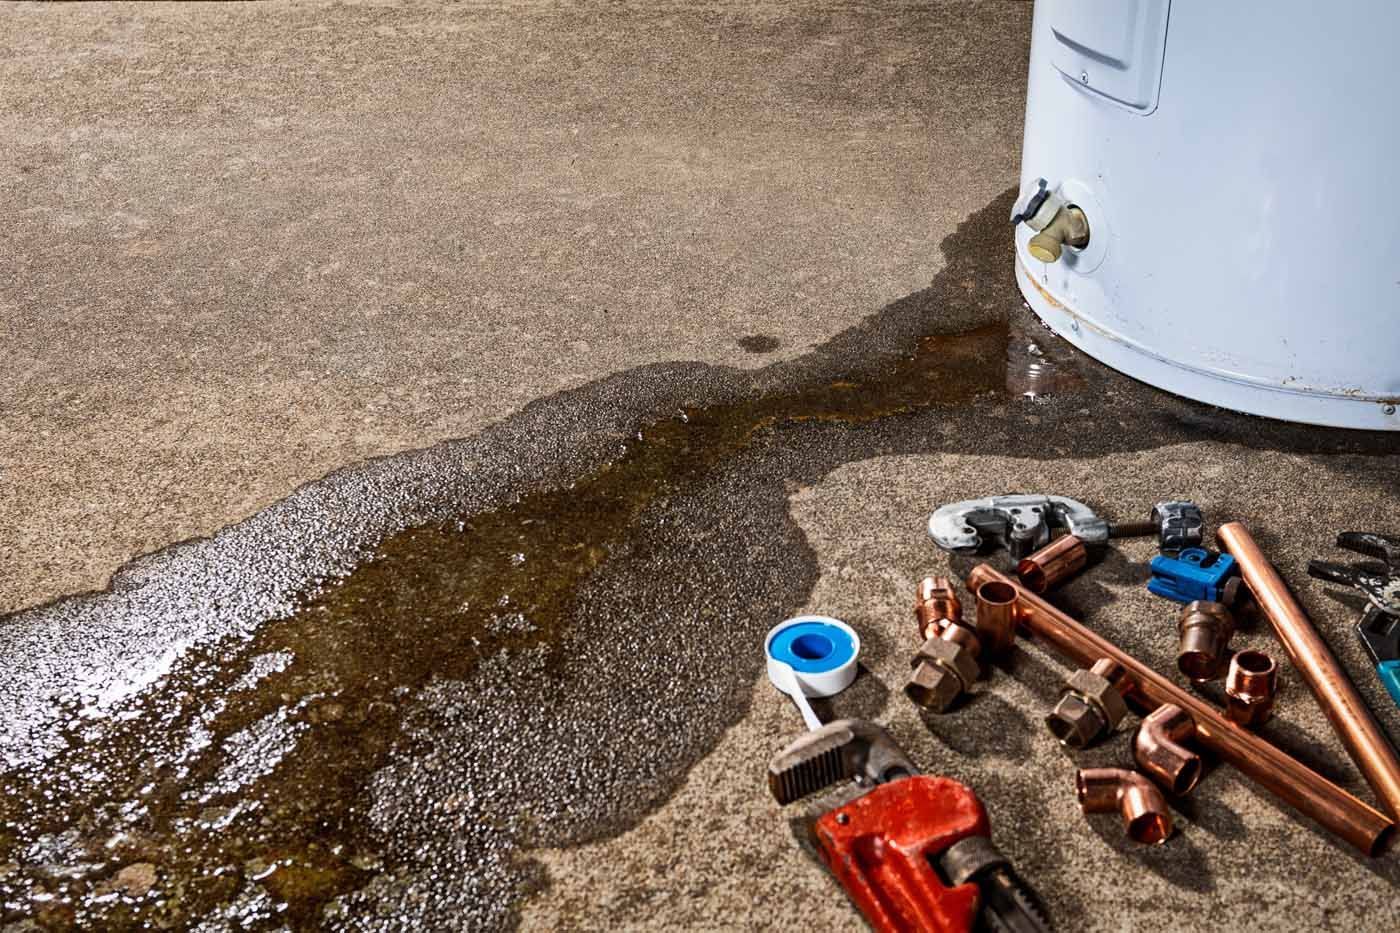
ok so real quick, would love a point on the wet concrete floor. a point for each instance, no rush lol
(514, 679)
(364, 704)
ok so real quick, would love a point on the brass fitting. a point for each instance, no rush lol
(936, 605)
(1050, 566)
(1145, 814)
(1249, 688)
(1160, 754)
(1069, 227)
(1205, 629)
(944, 668)
(1091, 705)
(996, 616)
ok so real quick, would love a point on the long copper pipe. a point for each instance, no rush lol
(1275, 771)
(1348, 713)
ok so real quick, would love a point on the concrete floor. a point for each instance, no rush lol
(247, 246)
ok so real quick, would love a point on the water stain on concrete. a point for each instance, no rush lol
(357, 708)
(759, 343)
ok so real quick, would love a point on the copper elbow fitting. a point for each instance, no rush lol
(1145, 815)
(1249, 688)
(1205, 629)
(996, 615)
(936, 605)
(1160, 753)
(1053, 564)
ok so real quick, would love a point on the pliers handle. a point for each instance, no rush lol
(1381, 547)
(1380, 582)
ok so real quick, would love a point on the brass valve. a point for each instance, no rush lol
(1069, 226)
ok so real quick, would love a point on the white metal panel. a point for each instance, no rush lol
(1113, 48)
(1243, 249)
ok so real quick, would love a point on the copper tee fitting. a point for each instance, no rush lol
(1053, 564)
(996, 615)
(936, 605)
(1205, 629)
(1160, 754)
(1250, 687)
(1145, 815)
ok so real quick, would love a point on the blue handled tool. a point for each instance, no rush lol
(1380, 581)
(1193, 574)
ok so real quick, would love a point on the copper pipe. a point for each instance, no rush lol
(1272, 769)
(936, 604)
(996, 618)
(1053, 564)
(1205, 629)
(1352, 720)
(1250, 688)
(1160, 754)
(1145, 814)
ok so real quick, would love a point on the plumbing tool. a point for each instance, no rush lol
(1194, 574)
(1024, 523)
(913, 851)
(1181, 524)
(1379, 628)
(811, 656)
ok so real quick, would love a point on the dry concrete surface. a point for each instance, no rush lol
(249, 244)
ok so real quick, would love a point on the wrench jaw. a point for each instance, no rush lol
(882, 847)
(843, 750)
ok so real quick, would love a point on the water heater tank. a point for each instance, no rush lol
(1235, 165)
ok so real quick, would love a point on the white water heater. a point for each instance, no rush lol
(1210, 196)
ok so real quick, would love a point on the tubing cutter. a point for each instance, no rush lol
(1379, 580)
(913, 851)
(1025, 523)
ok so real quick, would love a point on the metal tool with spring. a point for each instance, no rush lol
(1379, 580)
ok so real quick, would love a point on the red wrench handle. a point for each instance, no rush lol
(881, 845)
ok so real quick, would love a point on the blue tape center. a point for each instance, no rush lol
(812, 647)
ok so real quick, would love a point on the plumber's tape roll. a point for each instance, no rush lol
(811, 656)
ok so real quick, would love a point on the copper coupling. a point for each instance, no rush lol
(1053, 564)
(1159, 751)
(936, 605)
(1145, 815)
(945, 665)
(1250, 687)
(1205, 629)
(1091, 705)
(996, 615)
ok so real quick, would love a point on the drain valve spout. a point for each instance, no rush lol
(1069, 228)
